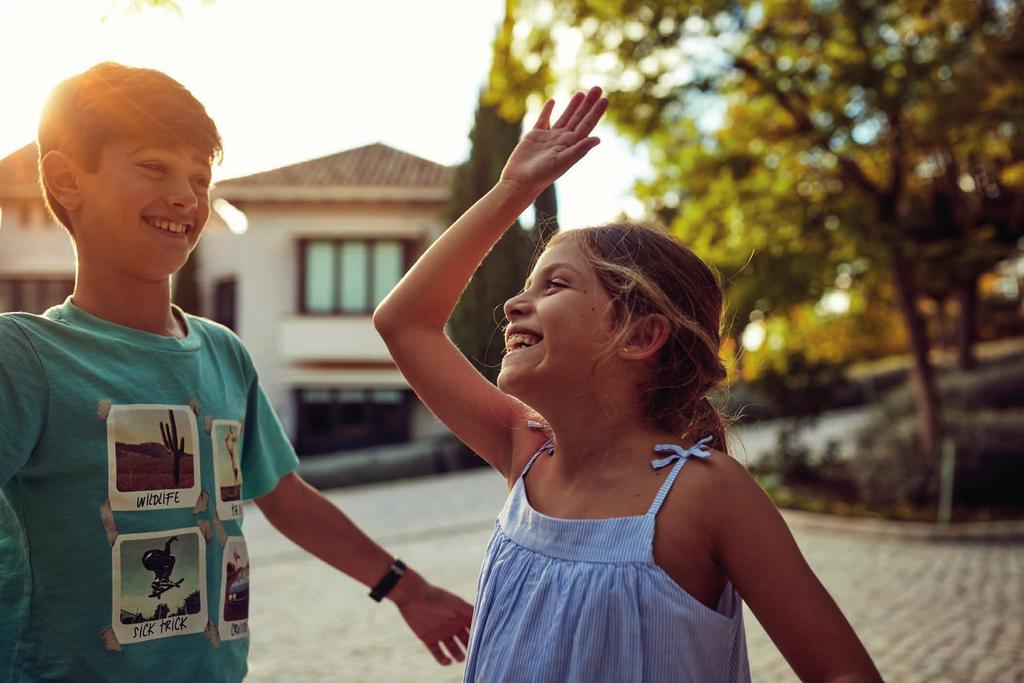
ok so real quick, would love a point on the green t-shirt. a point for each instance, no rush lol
(124, 459)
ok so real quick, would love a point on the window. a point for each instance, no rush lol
(348, 277)
(320, 276)
(33, 295)
(339, 419)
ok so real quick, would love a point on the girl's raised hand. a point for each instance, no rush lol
(548, 151)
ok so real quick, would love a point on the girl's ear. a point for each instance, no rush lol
(648, 336)
(60, 174)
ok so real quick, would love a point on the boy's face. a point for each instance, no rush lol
(143, 209)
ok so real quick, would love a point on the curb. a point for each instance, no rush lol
(385, 463)
(1008, 530)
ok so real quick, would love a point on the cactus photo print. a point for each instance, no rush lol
(153, 457)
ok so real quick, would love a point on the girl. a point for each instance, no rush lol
(610, 561)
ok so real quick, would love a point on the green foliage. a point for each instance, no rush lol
(887, 474)
(889, 469)
(989, 457)
(985, 419)
(997, 386)
(825, 105)
(514, 79)
(869, 328)
(790, 460)
(748, 219)
(889, 130)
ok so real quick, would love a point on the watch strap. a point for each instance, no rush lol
(388, 582)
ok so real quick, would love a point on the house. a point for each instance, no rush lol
(37, 260)
(326, 239)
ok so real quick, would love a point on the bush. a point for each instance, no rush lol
(890, 469)
(989, 457)
(984, 415)
(790, 460)
(996, 387)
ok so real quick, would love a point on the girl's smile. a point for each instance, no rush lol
(518, 337)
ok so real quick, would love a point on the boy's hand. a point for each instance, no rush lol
(435, 616)
(548, 151)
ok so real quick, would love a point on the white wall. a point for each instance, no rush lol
(265, 262)
(32, 244)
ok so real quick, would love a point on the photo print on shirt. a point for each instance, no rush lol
(152, 455)
(234, 590)
(227, 467)
(159, 583)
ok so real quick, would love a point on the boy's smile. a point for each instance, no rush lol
(168, 225)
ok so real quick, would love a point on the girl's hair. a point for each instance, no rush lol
(645, 271)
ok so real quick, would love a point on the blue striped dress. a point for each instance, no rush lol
(581, 600)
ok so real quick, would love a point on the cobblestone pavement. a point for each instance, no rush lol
(927, 611)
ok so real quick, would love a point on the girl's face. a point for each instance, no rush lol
(559, 326)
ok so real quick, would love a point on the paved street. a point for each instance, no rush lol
(926, 610)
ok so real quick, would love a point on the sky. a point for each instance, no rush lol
(142, 425)
(295, 80)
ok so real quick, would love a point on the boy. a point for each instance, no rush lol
(130, 432)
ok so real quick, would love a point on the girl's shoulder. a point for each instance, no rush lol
(713, 492)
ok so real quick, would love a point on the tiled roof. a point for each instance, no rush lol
(375, 165)
(19, 174)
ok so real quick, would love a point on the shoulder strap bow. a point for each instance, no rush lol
(699, 449)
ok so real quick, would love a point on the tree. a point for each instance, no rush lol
(863, 108)
(474, 325)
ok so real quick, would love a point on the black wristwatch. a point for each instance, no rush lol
(384, 586)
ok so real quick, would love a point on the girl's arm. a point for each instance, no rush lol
(412, 317)
(761, 558)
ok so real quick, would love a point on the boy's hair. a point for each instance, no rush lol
(111, 102)
(645, 271)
